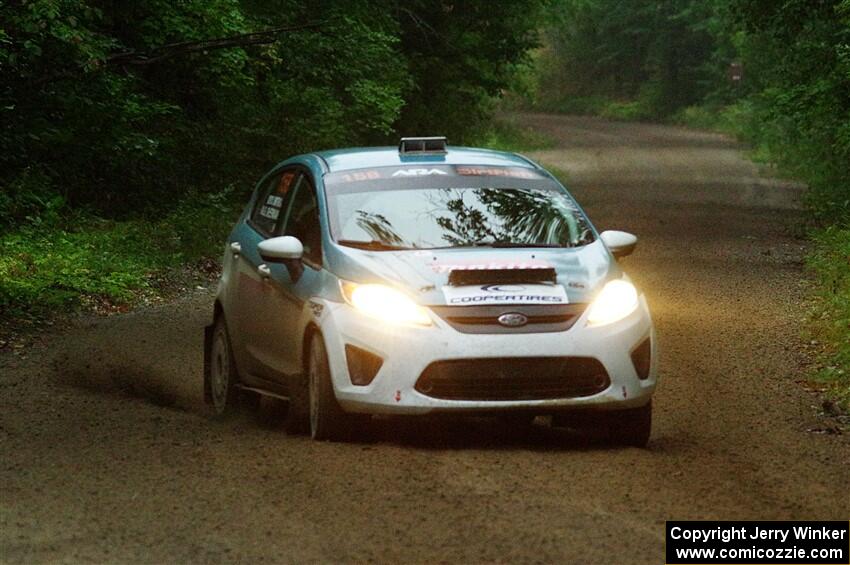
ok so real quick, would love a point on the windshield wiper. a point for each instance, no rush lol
(504, 244)
(373, 245)
(509, 244)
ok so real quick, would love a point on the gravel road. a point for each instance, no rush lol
(109, 455)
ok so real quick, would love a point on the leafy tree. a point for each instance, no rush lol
(461, 55)
(123, 107)
(799, 53)
(655, 52)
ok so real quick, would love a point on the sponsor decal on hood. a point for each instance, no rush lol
(490, 265)
(481, 295)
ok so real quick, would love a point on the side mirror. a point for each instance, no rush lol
(620, 243)
(281, 249)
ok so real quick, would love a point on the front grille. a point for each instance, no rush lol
(542, 318)
(513, 378)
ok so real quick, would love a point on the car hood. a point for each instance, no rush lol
(424, 273)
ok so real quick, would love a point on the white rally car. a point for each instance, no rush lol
(424, 279)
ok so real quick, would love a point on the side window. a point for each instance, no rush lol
(303, 221)
(269, 207)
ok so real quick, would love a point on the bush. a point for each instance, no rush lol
(830, 264)
(626, 111)
(507, 135)
(44, 269)
(735, 119)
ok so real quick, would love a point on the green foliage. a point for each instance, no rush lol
(801, 94)
(830, 263)
(670, 60)
(627, 111)
(110, 107)
(734, 119)
(644, 58)
(43, 268)
(507, 135)
(93, 97)
(461, 56)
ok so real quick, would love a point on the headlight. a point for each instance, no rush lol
(384, 303)
(617, 300)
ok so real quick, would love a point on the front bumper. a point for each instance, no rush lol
(408, 350)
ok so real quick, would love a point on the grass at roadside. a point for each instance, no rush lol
(505, 134)
(84, 262)
(830, 315)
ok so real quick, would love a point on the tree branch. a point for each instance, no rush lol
(187, 47)
(157, 54)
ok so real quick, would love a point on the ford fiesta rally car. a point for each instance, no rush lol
(424, 279)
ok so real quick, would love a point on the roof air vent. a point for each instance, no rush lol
(417, 145)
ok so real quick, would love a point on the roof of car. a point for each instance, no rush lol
(368, 157)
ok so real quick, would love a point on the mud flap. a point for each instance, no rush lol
(208, 337)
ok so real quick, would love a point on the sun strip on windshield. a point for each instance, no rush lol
(432, 171)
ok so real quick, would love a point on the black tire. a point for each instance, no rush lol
(250, 399)
(328, 421)
(298, 408)
(631, 427)
(224, 378)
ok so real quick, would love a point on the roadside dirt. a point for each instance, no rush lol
(109, 455)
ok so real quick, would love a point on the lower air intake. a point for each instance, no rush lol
(513, 378)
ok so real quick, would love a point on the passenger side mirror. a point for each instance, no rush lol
(281, 249)
(620, 243)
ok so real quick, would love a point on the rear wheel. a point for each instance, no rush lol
(224, 379)
(328, 421)
(631, 427)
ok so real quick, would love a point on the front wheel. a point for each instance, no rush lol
(631, 427)
(224, 379)
(328, 421)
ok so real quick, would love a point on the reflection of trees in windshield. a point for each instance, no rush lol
(440, 217)
(512, 216)
(378, 227)
(468, 225)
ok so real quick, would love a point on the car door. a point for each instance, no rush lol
(257, 323)
(293, 289)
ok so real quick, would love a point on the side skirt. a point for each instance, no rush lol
(265, 392)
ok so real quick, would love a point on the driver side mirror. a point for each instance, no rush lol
(281, 249)
(285, 249)
(620, 243)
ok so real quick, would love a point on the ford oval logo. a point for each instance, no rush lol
(513, 319)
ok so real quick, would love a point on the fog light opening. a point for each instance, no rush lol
(642, 358)
(362, 365)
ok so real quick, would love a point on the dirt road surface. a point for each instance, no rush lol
(109, 455)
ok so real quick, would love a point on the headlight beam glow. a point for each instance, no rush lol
(617, 300)
(384, 303)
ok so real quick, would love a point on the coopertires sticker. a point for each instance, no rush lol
(482, 295)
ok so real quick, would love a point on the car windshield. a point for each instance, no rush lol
(432, 208)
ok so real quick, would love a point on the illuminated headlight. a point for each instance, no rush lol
(617, 300)
(384, 303)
